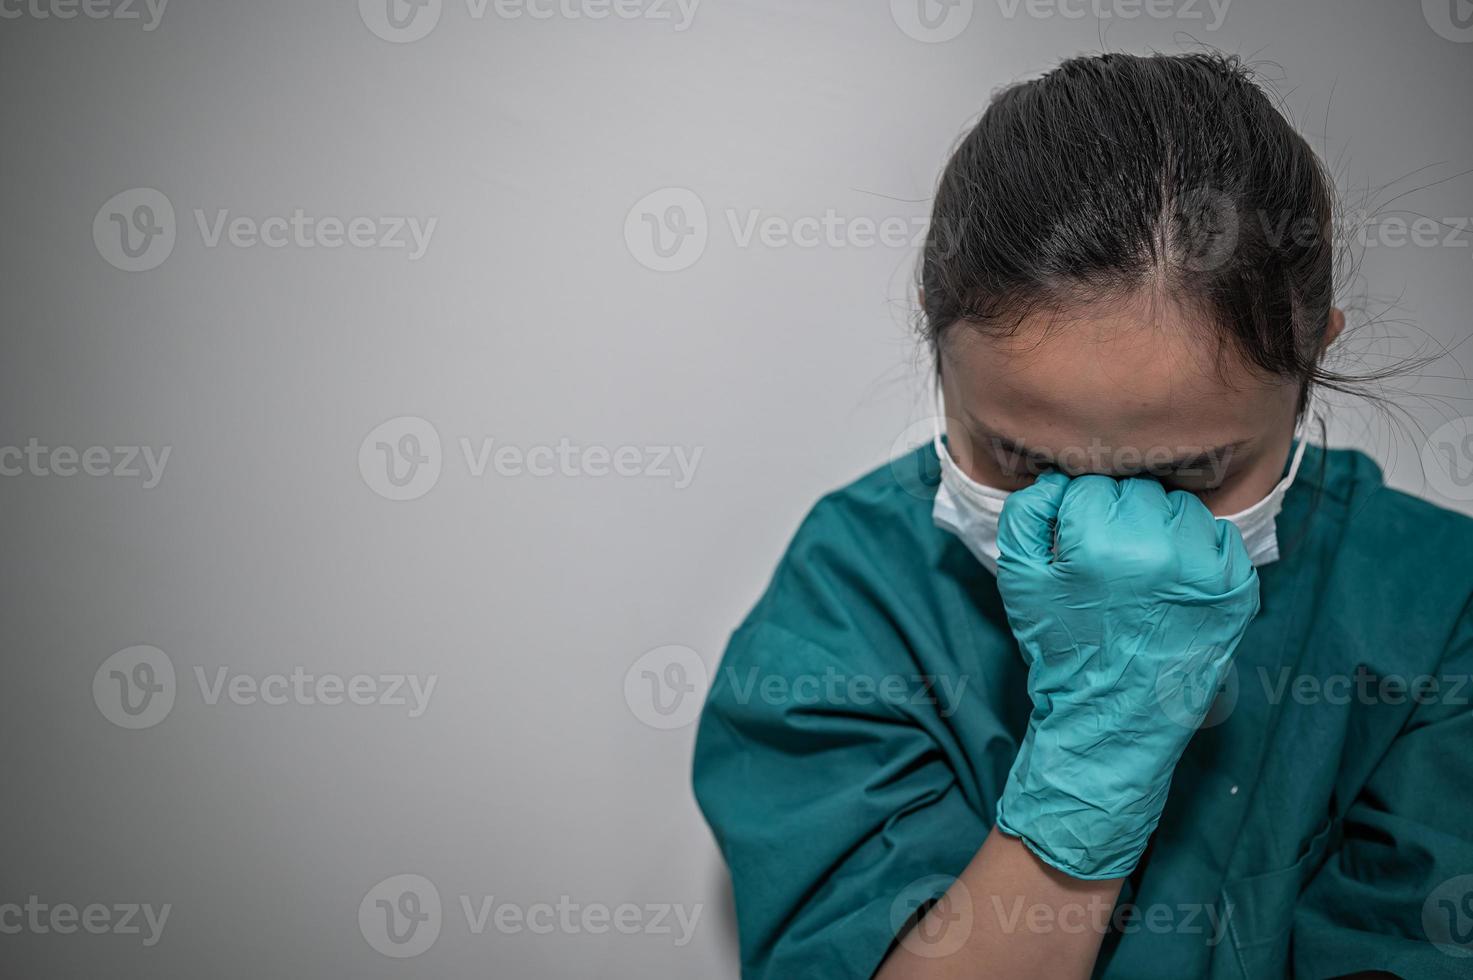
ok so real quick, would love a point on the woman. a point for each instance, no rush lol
(970, 728)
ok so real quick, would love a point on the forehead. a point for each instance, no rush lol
(1126, 372)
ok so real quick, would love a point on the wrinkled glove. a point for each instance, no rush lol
(1121, 596)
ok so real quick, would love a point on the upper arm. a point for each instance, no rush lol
(835, 810)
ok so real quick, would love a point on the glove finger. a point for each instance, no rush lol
(1194, 524)
(1143, 501)
(1088, 507)
(1232, 552)
(1026, 528)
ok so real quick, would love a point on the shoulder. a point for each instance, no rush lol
(1392, 527)
(862, 551)
(889, 505)
(1397, 566)
(880, 520)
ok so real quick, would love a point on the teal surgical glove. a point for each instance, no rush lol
(1122, 597)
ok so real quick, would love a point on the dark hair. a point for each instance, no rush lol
(1116, 174)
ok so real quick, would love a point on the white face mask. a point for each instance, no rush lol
(971, 511)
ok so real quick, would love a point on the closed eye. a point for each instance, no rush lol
(1010, 454)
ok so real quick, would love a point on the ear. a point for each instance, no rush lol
(1333, 328)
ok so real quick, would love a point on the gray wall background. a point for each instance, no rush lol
(541, 313)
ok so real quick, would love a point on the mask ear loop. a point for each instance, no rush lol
(962, 481)
(1298, 458)
(938, 420)
(1311, 411)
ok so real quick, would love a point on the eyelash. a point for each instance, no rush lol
(1015, 462)
(1189, 471)
(1006, 458)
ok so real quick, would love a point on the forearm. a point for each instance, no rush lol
(1007, 915)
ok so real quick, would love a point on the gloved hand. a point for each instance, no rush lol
(1120, 595)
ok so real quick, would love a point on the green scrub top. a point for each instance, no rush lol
(863, 720)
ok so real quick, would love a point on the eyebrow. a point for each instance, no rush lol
(1197, 460)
